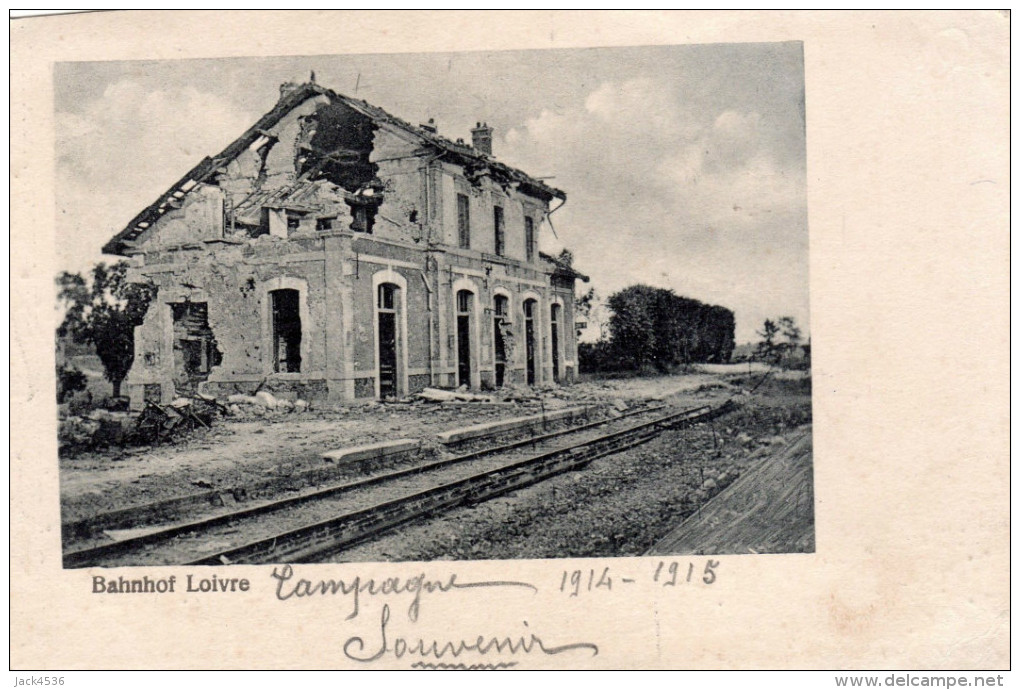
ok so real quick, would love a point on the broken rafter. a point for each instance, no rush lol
(345, 156)
(563, 268)
(208, 165)
(296, 208)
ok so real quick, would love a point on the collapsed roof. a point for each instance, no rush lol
(456, 151)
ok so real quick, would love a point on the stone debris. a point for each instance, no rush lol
(267, 400)
(262, 402)
(440, 395)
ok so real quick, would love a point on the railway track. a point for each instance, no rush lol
(314, 525)
(88, 531)
(84, 552)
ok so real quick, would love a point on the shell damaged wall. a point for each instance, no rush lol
(235, 283)
(403, 212)
(335, 144)
(196, 217)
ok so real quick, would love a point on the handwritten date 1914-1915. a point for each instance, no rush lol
(666, 574)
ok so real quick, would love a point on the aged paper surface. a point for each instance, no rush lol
(908, 190)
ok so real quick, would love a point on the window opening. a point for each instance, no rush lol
(463, 221)
(529, 238)
(500, 231)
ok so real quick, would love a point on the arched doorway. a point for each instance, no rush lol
(554, 338)
(500, 320)
(286, 330)
(389, 349)
(529, 339)
(465, 308)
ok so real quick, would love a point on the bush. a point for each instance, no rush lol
(69, 382)
(598, 356)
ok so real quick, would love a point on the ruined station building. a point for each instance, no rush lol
(335, 252)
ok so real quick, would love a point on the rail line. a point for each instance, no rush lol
(111, 551)
(316, 541)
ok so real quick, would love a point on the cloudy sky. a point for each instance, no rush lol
(684, 166)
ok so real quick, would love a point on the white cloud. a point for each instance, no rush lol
(642, 170)
(123, 149)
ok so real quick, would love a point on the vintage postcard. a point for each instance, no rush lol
(510, 340)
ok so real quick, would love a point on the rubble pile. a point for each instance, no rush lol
(153, 425)
(97, 429)
(159, 423)
(459, 395)
(81, 429)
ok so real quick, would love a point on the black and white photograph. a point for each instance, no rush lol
(510, 340)
(495, 305)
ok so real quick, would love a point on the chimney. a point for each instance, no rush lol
(481, 138)
(287, 87)
(431, 126)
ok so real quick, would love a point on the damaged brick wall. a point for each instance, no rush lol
(233, 281)
(195, 350)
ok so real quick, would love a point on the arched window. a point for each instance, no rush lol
(465, 308)
(530, 340)
(502, 306)
(387, 297)
(529, 309)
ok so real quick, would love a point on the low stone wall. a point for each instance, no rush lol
(522, 424)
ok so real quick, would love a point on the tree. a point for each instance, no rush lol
(790, 330)
(767, 347)
(656, 326)
(791, 334)
(584, 303)
(632, 325)
(105, 314)
(720, 330)
(69, 381)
